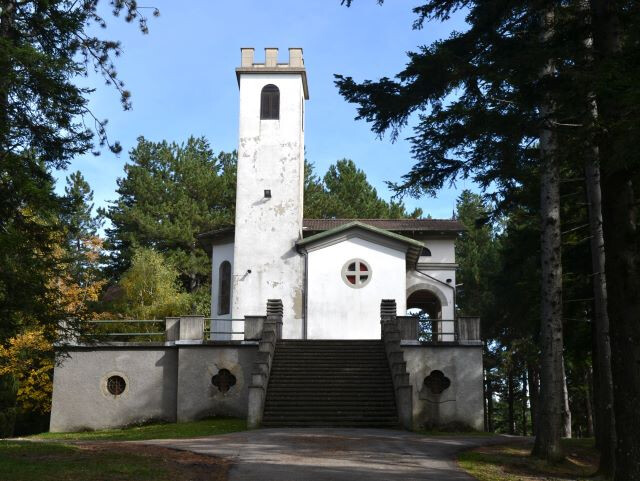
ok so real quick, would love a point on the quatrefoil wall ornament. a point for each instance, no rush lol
(437, 382)
(224, 380)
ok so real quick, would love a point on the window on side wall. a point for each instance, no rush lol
(224, 288)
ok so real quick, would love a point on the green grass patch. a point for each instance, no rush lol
(205, 427)
(513, 462)
(26, 461)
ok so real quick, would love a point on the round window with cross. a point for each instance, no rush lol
(356, 273)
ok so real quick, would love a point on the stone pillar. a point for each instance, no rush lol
(274, 314)
(270, 57)
(247, 57)
(295, 58)
(253, 326)
(191, 328)
(171, 329)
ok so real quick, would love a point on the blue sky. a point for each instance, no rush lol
(183, 83)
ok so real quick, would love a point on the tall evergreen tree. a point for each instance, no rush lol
(171, 193)
(477, 254)
(80, 223)
(346, 193)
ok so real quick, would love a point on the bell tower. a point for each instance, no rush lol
(270, 181)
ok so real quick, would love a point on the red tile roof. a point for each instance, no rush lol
(396, 225)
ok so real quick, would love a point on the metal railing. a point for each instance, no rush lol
(124, 330)
(222, 329)
(463, 329)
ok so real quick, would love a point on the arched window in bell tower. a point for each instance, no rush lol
(270, 103)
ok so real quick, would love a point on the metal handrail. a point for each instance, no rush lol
(124, 321)
(208, 321)
(428, 330)
(129, 322)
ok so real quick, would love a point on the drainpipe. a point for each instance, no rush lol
(305, 294)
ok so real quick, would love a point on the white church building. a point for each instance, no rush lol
(330, 273)
(329, 322)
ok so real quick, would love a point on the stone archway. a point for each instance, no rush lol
(425, 300)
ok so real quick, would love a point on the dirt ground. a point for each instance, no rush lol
(182, 465)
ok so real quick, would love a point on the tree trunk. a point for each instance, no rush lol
(623, 281)
(588, 405)
(550, 413)
(510, 403)
(485, 386)
(524, 402)
(551, 408)
(621, 236)
(606, 434)
(533, 376)
(566, 410)
(489, 405)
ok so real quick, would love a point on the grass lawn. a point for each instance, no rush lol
(28, 461)
(205, 427)
(512, 462)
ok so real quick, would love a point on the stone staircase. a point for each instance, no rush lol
(330, 383)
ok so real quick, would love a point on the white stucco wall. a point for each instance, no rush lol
(442, 250)
(337, 311)
(270, 156)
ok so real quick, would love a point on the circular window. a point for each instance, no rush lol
(356, 273)
(116, 385)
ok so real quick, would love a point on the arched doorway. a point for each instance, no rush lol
(425, 304)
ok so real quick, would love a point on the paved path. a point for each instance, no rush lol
(335, 454)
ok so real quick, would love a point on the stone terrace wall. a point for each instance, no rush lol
(163, 382)
(461, 400)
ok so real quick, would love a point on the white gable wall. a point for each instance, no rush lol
(337, 311)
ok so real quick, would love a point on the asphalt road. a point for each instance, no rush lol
(335, 454)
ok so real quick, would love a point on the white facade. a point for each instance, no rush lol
(270, 158)
(338, 310)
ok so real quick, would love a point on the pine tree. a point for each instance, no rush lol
(171, 193)
(346, 193)
(81, 226)
(477, 254)
(44, 46)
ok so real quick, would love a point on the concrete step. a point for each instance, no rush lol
(330, 374)
(330, 383)
(332, 424)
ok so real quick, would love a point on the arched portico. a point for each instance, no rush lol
(425, 303)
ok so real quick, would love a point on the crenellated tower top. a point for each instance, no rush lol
(271, 64)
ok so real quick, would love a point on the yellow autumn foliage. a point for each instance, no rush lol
(73, 296)
(28, 357)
